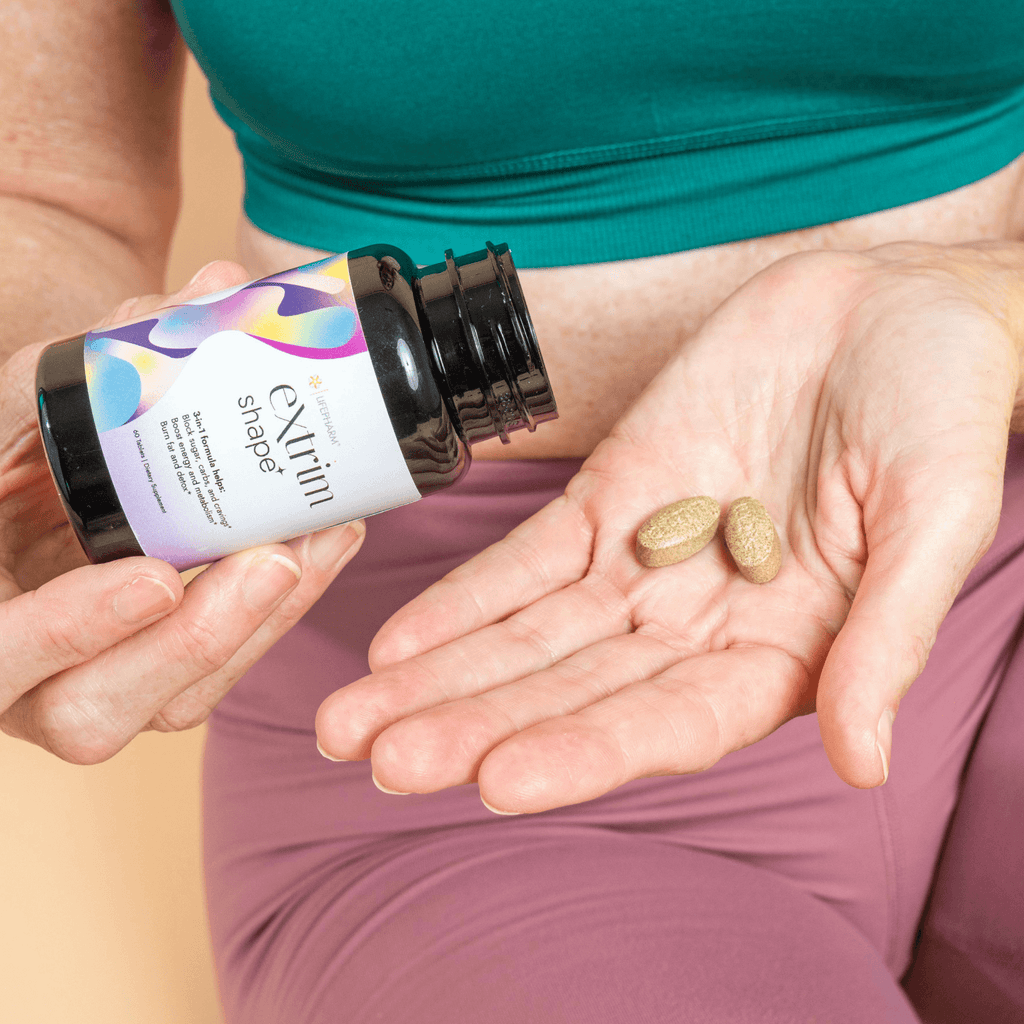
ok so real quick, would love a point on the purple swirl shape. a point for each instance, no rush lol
(355, 344)
(296, 300)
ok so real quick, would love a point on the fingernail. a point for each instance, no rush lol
(328, 548)
(383, 789)
(199, 273)
(143, 598)
(495, 809)
(330, 757)
(268, 579)
(883, 741)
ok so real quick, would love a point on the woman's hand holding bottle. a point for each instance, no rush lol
(91, 655)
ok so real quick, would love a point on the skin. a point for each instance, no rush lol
(89, 193)
(88, 661)
(865, 396)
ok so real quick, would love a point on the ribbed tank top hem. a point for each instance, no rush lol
(658, 197)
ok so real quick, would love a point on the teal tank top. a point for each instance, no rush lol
(584, 131)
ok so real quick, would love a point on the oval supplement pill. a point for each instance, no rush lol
(677, 531)
(752, 540)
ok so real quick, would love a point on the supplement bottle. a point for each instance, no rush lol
(286, 405)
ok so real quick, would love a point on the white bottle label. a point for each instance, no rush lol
(246, 417)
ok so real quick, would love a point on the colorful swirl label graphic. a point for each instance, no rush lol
(246, 416)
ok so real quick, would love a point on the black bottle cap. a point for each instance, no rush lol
(484, 343)
(75, 455)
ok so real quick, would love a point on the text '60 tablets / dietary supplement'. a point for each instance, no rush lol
(286, 405)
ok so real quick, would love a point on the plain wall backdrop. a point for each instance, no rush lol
(101, 902)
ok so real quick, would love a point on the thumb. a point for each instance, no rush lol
(213, 277)
(918, 558)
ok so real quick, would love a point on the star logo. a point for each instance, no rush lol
(315, 382)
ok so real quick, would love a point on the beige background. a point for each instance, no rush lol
(101, 906)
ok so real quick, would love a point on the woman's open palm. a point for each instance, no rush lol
(865, 399)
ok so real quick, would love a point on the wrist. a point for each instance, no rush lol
(991, 274)
(996, 275)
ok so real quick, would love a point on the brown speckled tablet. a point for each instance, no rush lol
(752, 540)
(677, 531)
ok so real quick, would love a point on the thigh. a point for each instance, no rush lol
(969, 964)
(560, 924)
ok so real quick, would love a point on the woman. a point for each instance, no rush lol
(715, 218)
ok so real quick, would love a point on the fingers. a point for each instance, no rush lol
(321, 556)
(444, 745)
(75, 617)
(542, 555)
(173, 675)
(17, 398)
(681, 720)
(912, 575)
(89, 712)
(534, 639)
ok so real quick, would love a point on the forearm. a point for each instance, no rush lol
(59, 273)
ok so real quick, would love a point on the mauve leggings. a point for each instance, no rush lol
(763, 890)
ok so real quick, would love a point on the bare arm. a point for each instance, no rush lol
(90, 94)
(90, 655)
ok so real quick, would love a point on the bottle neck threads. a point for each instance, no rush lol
(484, 345)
